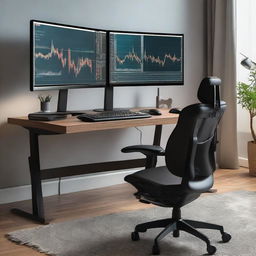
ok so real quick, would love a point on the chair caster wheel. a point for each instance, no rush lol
(135, 236)
(226, 237)
(155, 250)
(211, 249)
(176, 233)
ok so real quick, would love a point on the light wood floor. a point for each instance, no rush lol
(96, 202)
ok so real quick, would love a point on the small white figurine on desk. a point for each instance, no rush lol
(163, 103)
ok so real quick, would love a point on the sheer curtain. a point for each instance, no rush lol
(221, 62)
(246, 40)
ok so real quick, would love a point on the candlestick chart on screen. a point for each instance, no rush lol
(64, 55)
(145, 58)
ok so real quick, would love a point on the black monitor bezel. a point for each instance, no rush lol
(162, 83)
(66, 86)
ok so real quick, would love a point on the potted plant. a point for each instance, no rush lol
(246, 94)
(45, 102)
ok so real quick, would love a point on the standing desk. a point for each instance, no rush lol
(69, 126)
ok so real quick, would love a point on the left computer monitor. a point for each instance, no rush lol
(64, 56)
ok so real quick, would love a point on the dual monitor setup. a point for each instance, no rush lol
(65, 57)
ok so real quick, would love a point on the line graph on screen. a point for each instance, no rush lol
(73, 65)
(132, 56)
(162, 62)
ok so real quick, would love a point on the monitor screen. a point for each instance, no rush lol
(146, 58)
(66, 56)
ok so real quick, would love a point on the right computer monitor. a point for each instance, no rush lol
(146, 59)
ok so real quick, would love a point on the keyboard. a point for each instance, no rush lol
(112, 115)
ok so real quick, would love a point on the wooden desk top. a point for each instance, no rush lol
(74, 125)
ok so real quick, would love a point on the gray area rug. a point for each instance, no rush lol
(110, 234)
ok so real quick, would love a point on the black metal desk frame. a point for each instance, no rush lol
(37, 175)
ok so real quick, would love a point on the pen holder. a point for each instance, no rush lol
(45, 106)
(45, 102)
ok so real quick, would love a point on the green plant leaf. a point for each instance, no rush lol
(246, 95)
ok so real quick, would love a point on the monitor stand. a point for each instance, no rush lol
(62, 100)
(61, 112)
(108, 101)
(62, 104)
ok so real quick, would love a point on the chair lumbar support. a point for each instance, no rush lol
(177, 224)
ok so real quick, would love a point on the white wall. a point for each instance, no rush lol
(246, 38)
(181, 16)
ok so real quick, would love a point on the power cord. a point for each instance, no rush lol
(140, 131)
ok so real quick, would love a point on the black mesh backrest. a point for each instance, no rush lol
(190, 149)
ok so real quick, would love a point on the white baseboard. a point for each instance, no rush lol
(67, 185)
(243, 162)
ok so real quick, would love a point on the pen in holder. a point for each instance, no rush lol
(45, 103)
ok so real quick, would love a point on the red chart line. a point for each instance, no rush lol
(132, 56)
(73, 66)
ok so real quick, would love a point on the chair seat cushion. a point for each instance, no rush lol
(161, 186)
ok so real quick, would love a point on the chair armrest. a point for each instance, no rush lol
(147, 150)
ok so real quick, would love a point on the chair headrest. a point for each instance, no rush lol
(208, 91)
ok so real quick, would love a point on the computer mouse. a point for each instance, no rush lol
(174, 111)
(154, 112)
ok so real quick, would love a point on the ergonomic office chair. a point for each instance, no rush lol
(190, 163)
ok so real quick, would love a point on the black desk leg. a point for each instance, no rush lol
(158, 134)
(152, 160)
(37, 197)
